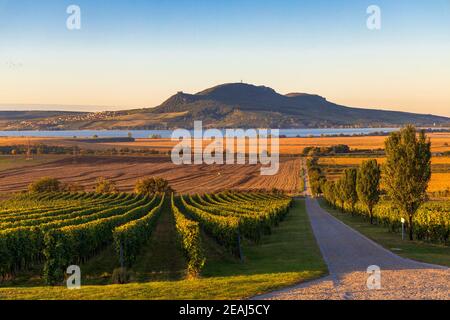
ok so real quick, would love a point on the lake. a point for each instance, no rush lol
(167, 133)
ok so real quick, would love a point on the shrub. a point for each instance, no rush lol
(103, 185)
(46, 184)
(151, 186)
(322, 151)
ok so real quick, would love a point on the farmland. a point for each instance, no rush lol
(440, 143)
(12, 162)
(101, 233)
(83, 223)
(440, 179)
(227, 226)
(124, 170)
(288, 256)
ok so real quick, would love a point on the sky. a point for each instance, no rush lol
(137, 53)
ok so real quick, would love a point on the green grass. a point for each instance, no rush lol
(218, 288)
(289, 256)
(290, 248)
(162, 259)
(416, 250)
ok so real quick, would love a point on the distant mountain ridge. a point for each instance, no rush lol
(234, 105)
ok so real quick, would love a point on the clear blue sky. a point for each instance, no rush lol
(138, 53)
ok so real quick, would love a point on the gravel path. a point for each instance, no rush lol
(348, 254)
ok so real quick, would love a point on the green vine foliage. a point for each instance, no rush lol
(431, 221)
(66, 228)
(222, 228)
(74, 244)
(190, 239)
(228, 216)
(130, 237)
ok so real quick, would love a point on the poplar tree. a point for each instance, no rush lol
(349, 187)
(368, 185)
(340, 194)
(408, 171)
(330, 192)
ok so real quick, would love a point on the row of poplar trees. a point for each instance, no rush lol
(406, 175)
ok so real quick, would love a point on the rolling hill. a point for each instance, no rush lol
(229, 106)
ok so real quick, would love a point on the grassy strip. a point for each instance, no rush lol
(289, 256)
(416, 250)
(202, 289)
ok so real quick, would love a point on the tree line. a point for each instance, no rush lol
(406, 175)
(40, 149)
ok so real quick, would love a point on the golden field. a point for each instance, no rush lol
(440, 178)
(439, 182)
(17, 173)
(440, 143)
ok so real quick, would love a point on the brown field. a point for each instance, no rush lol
(16, 173)
(20, 161)
(125, 170)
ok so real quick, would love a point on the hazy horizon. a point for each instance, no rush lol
(137, 55)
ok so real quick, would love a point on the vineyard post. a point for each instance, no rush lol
(240, 248)
(121, 256)
(403, 228)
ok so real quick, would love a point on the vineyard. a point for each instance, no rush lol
(432, 221)
(51, 231)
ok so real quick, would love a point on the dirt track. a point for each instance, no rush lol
(125, 170)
